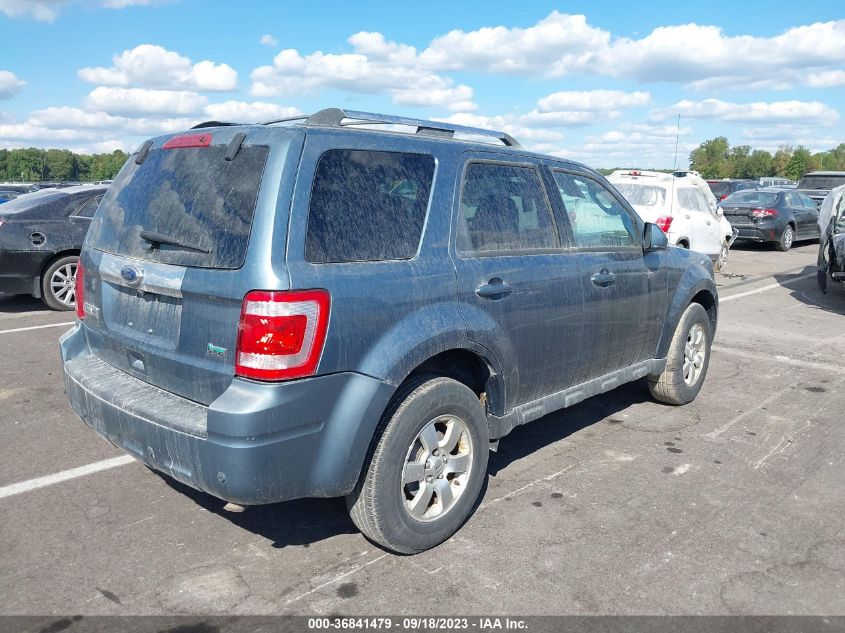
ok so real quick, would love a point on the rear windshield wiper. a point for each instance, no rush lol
(155, 238)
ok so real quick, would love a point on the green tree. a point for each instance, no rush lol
(4, 159)
(711, 158)
(26, 164)
(781, 159)
(61, 164)
(799, 163)
(759, 164)
(738, 161)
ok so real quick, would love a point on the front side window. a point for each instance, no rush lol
(367, 206)
(504, 209)
(597, 218)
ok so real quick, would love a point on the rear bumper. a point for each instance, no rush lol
(20, 271)
(257, 443)
(756, 234)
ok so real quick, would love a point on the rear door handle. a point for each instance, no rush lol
(494, 289)
(603, 278)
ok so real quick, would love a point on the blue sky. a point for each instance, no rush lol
(599, 82)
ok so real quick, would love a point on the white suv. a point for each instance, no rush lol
(683, 206)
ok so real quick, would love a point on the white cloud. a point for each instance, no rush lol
(809, 112)
(10, 85)
(269, 40)
(592, 100)
(376, 65)
(249, 112)
(826, 79)
(139, 101)
(154, 66)
(47, 10)
(555, 40)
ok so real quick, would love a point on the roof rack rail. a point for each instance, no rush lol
(205, 124)
(335, 117)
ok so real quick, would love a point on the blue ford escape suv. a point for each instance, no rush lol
(359, 305)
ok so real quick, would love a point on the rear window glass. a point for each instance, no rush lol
(751, 199)
(821, 182)
(192, 196)
(367, 206)
(720, 188)
(642, 195)
(29, 201)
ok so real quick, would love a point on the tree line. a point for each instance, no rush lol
(38, 165)
(717, 159)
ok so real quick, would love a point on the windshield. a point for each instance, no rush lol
(191, 196)
(821, 182)
(751, 199)
(642, 195)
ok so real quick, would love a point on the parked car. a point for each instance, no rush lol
(831, 260)
(817, 184)
(269, 312)
(774, 181)
(723, 188)
(682, 206)
(773, 215)
(41, 235)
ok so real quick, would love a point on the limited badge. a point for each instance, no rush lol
(216, 350)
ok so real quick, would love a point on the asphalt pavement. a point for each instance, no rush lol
(733, 504)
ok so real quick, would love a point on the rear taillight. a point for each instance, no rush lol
(79, 291)
(722, 197)
(664, 222)
(281, 334)
(764, 213)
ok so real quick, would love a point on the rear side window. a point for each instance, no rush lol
(688, 199)
(88, 209)
(367, 206)
(192, 196)
(504, 209)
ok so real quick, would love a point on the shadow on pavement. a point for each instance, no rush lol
(808, 292)
(12, 304)
(306, 521)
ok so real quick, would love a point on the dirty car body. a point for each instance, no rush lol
(831, 259)
(37, 228)
(381, 247)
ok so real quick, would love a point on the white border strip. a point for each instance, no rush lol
(764, 288)
(36, 327)
(65, 475)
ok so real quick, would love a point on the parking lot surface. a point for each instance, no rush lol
(733, 504)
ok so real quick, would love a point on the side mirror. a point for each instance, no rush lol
(653, 238)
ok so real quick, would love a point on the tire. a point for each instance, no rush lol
(397, 502)
(674, 385)
(787, 239)
(57, 284)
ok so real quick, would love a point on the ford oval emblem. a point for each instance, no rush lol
(131, 275)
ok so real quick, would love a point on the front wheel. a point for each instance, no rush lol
(58, 286)
(426, 472)
(687, 360)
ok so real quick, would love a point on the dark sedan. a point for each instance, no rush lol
(41, 234)
(772, 215)
(723, 188)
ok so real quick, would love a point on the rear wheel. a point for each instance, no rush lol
(58, 285)
(687, 360)
(426, 472)
(787, 238)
